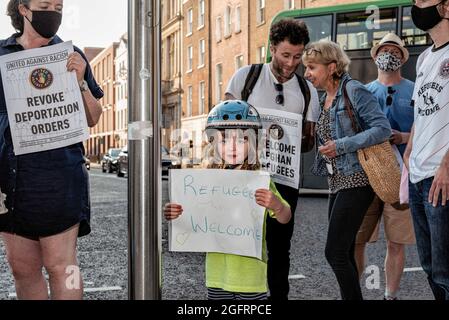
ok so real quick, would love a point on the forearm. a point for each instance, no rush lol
(408, 149)
(445, 162)
(361, 140)
(229, 96)
(283, 214)
(92, 107)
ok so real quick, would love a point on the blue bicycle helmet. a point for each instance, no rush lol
(233, 114)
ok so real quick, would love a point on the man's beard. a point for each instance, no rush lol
(279, 72)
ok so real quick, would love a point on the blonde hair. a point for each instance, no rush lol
(325, 52)
(213, 158)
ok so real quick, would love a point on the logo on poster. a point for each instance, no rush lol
(276, 132)
(41, 78)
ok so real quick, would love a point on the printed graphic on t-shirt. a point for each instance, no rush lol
(431, 100)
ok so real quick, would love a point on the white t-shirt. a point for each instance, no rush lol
(431, 98)
(264, 93)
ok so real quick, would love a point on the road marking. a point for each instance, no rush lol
(296, 276)
(104, 176)
(86, 290)
(114, 216)
(413, 269)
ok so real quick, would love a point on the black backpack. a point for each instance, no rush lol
(308, 139)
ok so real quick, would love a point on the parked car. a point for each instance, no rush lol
(122, 164)
(109, 161)
(87, 163)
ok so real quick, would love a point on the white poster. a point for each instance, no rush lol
(44, 102)
(281, 149)
(220, 211)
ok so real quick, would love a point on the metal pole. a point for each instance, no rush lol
(144, 172)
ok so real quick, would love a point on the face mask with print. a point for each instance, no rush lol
(46, 23)
(388, 62)
(426, 18)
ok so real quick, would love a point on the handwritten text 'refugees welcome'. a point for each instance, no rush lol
(220, 190)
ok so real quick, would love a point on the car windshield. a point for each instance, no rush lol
(114, 152)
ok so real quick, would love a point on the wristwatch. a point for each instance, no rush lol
(83, 85)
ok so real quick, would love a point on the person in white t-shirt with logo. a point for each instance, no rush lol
(427, 154)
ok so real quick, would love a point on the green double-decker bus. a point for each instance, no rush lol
(357, 28)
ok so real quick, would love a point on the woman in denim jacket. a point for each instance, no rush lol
(351, 194)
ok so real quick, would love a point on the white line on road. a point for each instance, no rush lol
(105, 176)
(413, 269)
(86, 290)
(297, 276)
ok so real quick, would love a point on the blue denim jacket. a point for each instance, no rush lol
(376, 127)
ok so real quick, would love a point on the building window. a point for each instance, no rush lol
(289, 4)
(202, 98)
(202, 56)
(189, 58)
(237, 20)
(189, 22)
(238, 62)
(201, 13)
(261, 54)
(219, 82)
(260, 11)
(218, 29)
(189, 101)
(227, 30)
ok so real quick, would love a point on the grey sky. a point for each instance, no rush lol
(88, 23)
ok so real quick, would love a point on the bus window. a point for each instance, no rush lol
(320, 27)
(412, 36)
(358, 30)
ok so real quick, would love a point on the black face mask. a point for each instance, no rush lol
(426, 18)
(46, 23)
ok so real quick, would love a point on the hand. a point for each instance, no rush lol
(329, 149)
(76, 63)
(397, 137)
(172, 211)
(267, 199)
(440, 185)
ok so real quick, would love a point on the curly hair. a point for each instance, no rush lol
(13, 12)
(295, 31)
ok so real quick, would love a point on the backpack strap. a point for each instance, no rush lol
(306, 94)
(350, 109)
(251, 80)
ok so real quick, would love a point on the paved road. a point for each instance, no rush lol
(103, 254)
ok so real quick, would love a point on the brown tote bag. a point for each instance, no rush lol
(379, 163)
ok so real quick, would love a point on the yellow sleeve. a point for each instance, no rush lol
(278, 195)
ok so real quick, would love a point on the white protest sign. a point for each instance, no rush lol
(281, 150)
(44, 102)
(220, 211)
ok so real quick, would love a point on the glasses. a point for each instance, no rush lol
(280, 97)
(390, 92)
(309, 51)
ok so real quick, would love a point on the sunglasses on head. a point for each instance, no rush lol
(310, 51)
(280, 97)
(390, 92)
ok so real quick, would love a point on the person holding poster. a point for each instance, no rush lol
(232, 128)
(47, 192)
(280, 96)
(351, 194)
